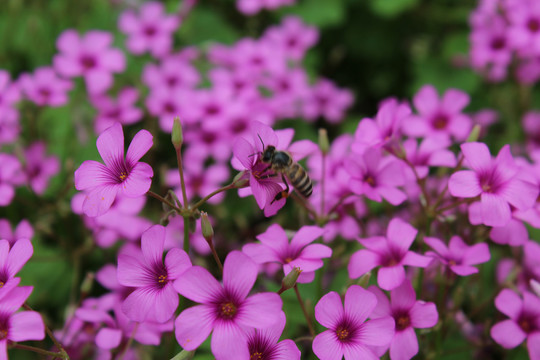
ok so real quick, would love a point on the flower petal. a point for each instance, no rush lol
(404, 345)
(91, 174)
(361, 262)
(423, 315)
(198, 285)
(141, 143)
(239, 274)
(26, 325)
(403, 297)
(508, 334)
(495, 210)
(193, 326)
(390, 278)
(110, 145)
(401, 234)
(464, 184)
(138, 181)
(329, 310)
(229, 341)
(477, 156)
(260, 310)
(19, 254)
(509, 303)
(359, 303)
(327, 347)
(377, 332)
(108, 338)
(306, 235)
(152, 243)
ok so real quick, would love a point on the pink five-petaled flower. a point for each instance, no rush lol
(436, 116)
(408, 315)
(20, 326)
(225, 309)
(90, 56)
(348, 334)
(127, 176)
(390, 252)
(263, 343)
(299, 252)
(39, 167)
(154, 297)
(151, 31)
(459, 257)
(11, 262)
(499, 183)
(524, 322)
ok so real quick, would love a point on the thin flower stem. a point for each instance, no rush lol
(129, 342)
(216, 257)
(213, 193)
(339, 203)
(182, 182)
(421, 183)
(59, 346)
(323, 182)
(303, 338)
(186, 234)
(304, 204)
(443, 193)
(455, 204)
(40, 351)
(163, 200)
(304, 310)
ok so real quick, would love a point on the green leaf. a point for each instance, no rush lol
(391, 8)
(317, 12)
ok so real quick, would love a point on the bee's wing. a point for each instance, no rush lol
(302, 148)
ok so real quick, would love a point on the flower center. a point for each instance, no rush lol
(88, 62)
(533, 25)
(150, 31)
(123, 175)
(525, 325)
(402, 322)
(288, 259)
(162, 279)
(2, 284)
(44, 92)
(3, 334)
(342, 333)
(498, 43)
(227, 310)
(256, 356)
(370, 180)
(440, 122)
(169, 108)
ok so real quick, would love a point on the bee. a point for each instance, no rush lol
(281, 162)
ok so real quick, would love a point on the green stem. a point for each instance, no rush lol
(181, 171)
(40, 351)
(186, 234)
(163, 200)
(129, 342)
(56, 343)
(213, 193)
(216, 257)
(304, 310)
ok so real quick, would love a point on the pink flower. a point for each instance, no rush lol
(225, 309)
(265, 344)
(326, 100)
(118, 176)
(18, 326)
(524, 322)
(151, 31)
(45, 88)
(348, 334)
(385, 129)
(251, 7)
(458, 256)
(432, 151)
(376, 177)
(11, 175)
(39, 168)
(12, 259)
(390, 252)
(22, 231)
(121, 110)
(293, 36)
(408, 314)
(275, 247)
(439, 116)
(154, 297)
(89, 56)
(498, 182)
(172, 73)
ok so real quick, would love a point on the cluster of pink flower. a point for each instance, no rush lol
(15, 250)
(505, 32)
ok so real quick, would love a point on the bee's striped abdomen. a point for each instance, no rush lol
(299, 179)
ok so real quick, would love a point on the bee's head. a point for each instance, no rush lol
(268, 153)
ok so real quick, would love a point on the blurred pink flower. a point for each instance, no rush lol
(326, 100)
(408, 314)
(39, 168)
(293, 36)
(172, 73)
(90, 56)
(154, 297)
(121, 110)
(11, 175)
(23, 230)
(391, 253)
(265, 344)
(12, 259)
(299, 253)
(348, 332)
(18, 326)
(224, 309)
(118, 176)
(498, 182)
(524, 322)
(457, 256)
(439, 116)
(45, 88)
(150, 30)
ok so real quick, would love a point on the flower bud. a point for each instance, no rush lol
(475, 133)
(323, 141)
(289, 281)
(207, 230)
(364, 279)
(177, 137)
(87, 283)
(184, 355)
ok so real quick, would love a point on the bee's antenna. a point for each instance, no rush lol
(261, 140)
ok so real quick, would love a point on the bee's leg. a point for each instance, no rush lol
(282, 194)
